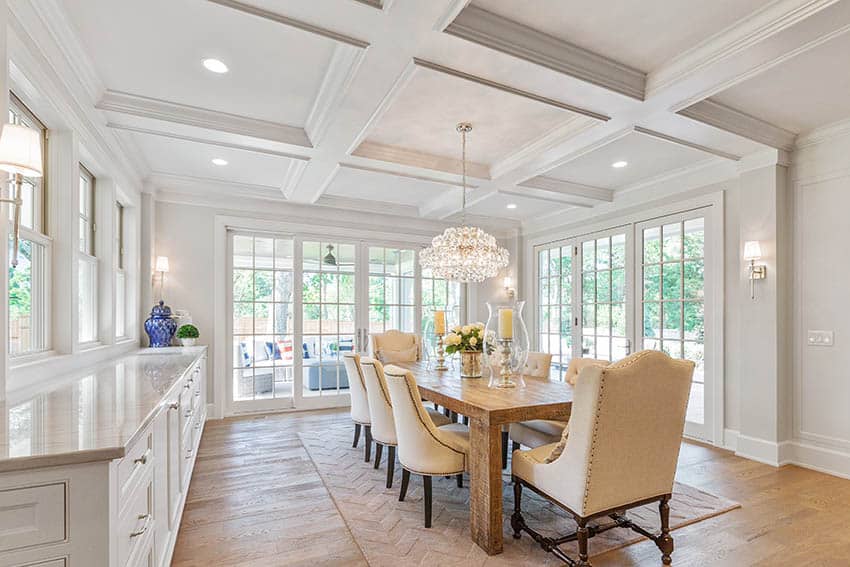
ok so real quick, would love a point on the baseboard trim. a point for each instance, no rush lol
(821, 459)
(730, 439)
(760, 450)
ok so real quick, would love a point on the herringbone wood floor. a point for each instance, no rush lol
(257, 500)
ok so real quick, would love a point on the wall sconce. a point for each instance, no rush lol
(162, 268)
(509, 288)
(20, 155)
(752, 252)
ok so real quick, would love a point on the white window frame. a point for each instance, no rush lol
(120, 307)
(26, 117)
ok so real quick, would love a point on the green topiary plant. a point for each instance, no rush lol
(188, 332)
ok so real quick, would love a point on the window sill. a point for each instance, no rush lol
(91, 345)
(25, 360)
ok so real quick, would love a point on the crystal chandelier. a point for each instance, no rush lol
(464, 253)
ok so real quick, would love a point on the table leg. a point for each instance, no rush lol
(485, 490)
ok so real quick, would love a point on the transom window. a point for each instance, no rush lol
(86, 213)
(32, 188)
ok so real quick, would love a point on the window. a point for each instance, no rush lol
(87, 301)
(392, 278)
(439, 294)
(87, 226)
(32, 189)
(603, 298)
(120, 277)
(554, 292)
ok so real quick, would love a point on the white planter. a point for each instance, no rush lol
(188, 342)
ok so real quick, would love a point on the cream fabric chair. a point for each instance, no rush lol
(544, 431)
(395, 346)
(359, 402)
(621, 452)
(381, 412)
(424, 448)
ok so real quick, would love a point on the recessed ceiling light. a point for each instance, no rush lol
(215, 66)
(511, 205)
(219, 161)
(619, 164)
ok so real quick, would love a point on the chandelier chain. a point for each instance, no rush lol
(463, 162)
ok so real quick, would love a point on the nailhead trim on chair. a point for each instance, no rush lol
(593, 440)
(383, 391)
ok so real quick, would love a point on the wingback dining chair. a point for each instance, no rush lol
(619, 452)
(539, 432)
(537, 366)
(395, 346)
(381, 413)
(424, 448)
(359, 402)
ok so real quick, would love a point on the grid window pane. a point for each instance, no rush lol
(603, 293)
(28, 299)
(554, 296)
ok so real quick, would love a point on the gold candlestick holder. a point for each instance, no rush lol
(505, 365)
(441, 353)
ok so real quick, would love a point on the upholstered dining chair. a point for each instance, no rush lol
(619, 452)
(395, 346)
(424, 448)
(381, 412)
(539, 432)
(359, 402)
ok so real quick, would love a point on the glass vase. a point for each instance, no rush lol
(506, 352)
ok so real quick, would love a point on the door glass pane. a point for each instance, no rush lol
(603, 295)
(554, 297)
(392, 281)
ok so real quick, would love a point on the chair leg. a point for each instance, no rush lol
(356, 434)
(368, 443)
(665, 542)
(514, 446)
(378, 450)
(504, 449)
(460, 480)
(453, 417)
(466, 420)
(447, 412)
(427, 482)
(390, 465)
(436, 406)
(582, 536)
(405, 481)
(517, 515)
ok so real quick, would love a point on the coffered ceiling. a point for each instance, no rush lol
(352, 103)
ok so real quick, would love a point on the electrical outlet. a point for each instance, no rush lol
(820, 338)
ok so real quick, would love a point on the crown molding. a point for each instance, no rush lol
(294, 171)
(526, 192)
(449, 204)
(195, 185)
(749, 32)
(455, 7)
(734, 121)
(769, 157)
(501, 34)
(377, 4)
(559, 186)
(508, 89)
(291, 22)
(673, 174)
(343, 67)
(686, 143)
(367, 205)
(167, 111)
(395, 154)
(823, 134)
(451, 181)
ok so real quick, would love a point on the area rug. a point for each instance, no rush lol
(390, 532)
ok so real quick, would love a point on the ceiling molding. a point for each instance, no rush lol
(395, 154)
(501, 34)
(293, 174)
(562, 187)
(341, 71)
(823, 134)
(672, 174)
(526, 192)
(749, 32)
(686, 143)
(448, 204)
(367, 205)
(205, 185)
(158, 109)
(508, 89)
(378, 4)
(734, 121)
(291, 22)
(455, 8)
(210, 142)
(451, 182)
(768, 157)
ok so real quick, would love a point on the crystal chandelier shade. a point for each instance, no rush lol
(465, 254)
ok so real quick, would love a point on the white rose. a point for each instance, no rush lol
(479, 326)
(453, 339)
(473, 341)
(466, 329)
(456, 329)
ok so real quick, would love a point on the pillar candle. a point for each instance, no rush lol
(506, 323)
(439, 322)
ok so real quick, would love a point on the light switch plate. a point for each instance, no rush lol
(820, 338)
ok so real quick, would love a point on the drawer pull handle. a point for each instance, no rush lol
(145, 526)
(174, 405)
(143, 460)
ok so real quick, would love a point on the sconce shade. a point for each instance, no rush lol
(752, 250)
(162, 263)
(507, 281)
(20, 150)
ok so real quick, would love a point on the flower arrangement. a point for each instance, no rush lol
(465, 338)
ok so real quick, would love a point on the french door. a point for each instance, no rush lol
(300, 303)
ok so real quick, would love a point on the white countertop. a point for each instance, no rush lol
(91, 415)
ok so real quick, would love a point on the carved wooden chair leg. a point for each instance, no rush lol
(427, 482)
(516, 517)
(390, 465)
(405, 482)
(356, 435)
(582, 536)
(378, 450)
(460, 480)
(665, 541)
(504, 449)
(368, 443)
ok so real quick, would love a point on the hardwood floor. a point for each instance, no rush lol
(256, 500)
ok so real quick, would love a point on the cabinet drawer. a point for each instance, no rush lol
(58, 562)
(32, 516)
(135, 522)
(133, 466)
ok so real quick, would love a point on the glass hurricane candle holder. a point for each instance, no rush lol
(506, 343)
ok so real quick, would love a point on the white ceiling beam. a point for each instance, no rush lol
(368, 205)
(167, 111)
(397, 170)
(731, 120)
(423, 160)
(549, 196)
(449, 204)
(686, 143)
(561, 187)
(205, 185)
(339, 75)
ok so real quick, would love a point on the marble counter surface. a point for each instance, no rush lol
(91, 415)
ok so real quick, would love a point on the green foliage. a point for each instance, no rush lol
(468, 337)
(20, 283)
(188, 332)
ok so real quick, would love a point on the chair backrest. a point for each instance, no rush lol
(538, 364)
(380, 408)
(576, 365)
(625, 432)
(357, 389)
(396, 346)
(420, 446)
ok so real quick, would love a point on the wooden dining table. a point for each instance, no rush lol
(488, 409)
